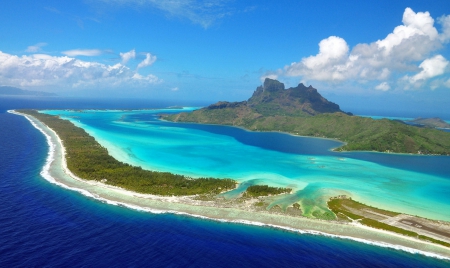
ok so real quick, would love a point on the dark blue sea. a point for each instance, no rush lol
(44, 225)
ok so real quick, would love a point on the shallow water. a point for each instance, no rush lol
(395, 182)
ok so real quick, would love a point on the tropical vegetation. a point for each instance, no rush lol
(87, 159)
(265, 190)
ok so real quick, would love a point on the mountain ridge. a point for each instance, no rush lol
(272, 98)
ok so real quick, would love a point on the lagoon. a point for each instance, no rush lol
(418, 185)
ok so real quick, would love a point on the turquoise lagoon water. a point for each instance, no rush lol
(377, 117)
(418, 185)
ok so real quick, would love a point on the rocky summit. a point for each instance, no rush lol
(273, 99)
(291, 100)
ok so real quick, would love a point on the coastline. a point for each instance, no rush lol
(55, 171)
(334, 149)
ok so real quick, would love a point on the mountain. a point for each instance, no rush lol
(303, 111)
(273, 99)
(6, 90)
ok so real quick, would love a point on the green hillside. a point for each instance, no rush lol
(303, 111)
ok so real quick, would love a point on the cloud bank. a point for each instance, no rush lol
(406, 57)
(41, 70)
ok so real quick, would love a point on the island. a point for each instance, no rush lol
(76, 161)
(89, 160)
(434, 122)
(303, 111)
(14, 91)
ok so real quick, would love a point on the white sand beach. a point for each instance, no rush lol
(55, 171)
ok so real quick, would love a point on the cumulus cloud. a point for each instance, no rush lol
(445, 23)
(35, 48)
(128, 56)
(414, 25)
(66, 72)
(82, 52)
(149, 60)
(326, 65)
(430, 68)
(397, 55)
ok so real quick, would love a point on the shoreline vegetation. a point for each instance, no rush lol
(347, 209)
(303, 111)
(265, 190)
(87, 159)
(353, 220)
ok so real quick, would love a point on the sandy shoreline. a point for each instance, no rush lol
(55, 171)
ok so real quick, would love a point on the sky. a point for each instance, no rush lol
(361, 54)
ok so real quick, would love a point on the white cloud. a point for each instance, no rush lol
(82, 52)
(35, 48)
(65, 72)
(175, 89)
(445, 22)
(397, 55)
(326, 65)
(384, 86)
(128, 56)
(414, 24)
(149, 60)
(202, 12)
(430, 68)
(148, 78)
(447, 83)
(269, 75)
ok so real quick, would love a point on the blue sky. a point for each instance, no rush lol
(376, 54)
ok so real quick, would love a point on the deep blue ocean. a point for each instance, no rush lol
(42, 224)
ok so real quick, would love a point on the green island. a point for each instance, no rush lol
(265, 190)
(303, 111)
(87, 159)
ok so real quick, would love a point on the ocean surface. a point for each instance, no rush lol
(42, 224)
